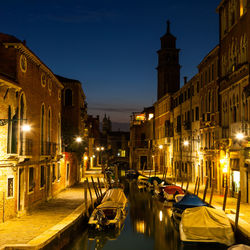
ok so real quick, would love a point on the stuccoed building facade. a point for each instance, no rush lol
(203, 127)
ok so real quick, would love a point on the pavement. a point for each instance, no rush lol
(47, 219)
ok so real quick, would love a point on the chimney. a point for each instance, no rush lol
(185, 80)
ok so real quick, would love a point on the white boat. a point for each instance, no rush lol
(111, 212)
(206, 224)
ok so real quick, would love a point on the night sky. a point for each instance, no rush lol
(110, 45)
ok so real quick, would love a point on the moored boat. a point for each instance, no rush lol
(206, 225)
(188, 201)
(111, 212)
(171, 191)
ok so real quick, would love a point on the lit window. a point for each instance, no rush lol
(10, 191)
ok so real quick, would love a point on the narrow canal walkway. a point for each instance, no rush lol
(43, 221)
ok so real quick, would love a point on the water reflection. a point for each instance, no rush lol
(148, 226)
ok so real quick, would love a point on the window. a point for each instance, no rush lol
(58, 171)
(197, 113)
(10, 190)
(42, 176)
(68, 97)
(53, 173)
(42, 131)
(31, 179)
(198, 87)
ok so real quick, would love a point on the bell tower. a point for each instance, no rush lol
(168, 65)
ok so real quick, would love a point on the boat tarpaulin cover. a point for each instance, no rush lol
(239, 247)
(189, 200)
(206, 224)
(173, 190)
(115, 195)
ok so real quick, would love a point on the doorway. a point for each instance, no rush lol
(48, 182)
(20, 199)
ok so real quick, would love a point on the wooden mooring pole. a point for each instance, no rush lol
(195, 186)
(90, 193)
(225, 199)
(96, 191)
(100, 188)
(86, 198)
(187, 185)
(198, 187)
(237, 212)
(212, 192)
(205, 190)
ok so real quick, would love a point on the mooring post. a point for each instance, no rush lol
(90, 193)
(195, 186)
(99, 185)
(86, 198)
(237, 212)
(212, 192)
(225, 199)
(181, 182)
(205, 190)
(187, 185)
(96, 191)
(198, 187)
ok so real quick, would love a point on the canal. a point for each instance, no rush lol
(148, 226)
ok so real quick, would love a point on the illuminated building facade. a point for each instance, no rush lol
(202, 129)
(141, 140)
(74, 138)
(31, 164)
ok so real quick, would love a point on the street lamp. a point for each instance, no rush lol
(239, 136)
(186, 143)
(78, 139)
(26, 128)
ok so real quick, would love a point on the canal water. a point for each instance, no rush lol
(148, 226)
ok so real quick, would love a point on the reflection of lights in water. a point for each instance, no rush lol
(140, 227)
(160, 215)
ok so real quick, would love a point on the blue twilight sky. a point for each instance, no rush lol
(110, 45)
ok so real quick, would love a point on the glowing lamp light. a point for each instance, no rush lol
(85, 158)
(102, 148)
(98, 149)
(224, 170)
(150, 116)
(26, 128)
(239, 136)
(185, 143)
(160, 215)
(78, 139)
(118, 154)
(222, 161)
(93, 156)
(160, 146)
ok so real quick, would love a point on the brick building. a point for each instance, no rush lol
(31, 164)
(74, 138)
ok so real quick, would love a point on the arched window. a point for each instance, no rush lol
(68, 97)
(9, 131)
(21, 124)
(42, 130)
(49, 131)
